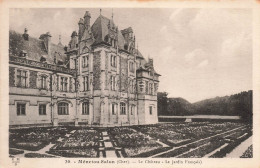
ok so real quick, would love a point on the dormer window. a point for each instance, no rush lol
(113, 61)
(125, 47)
(43, 59)
(23, 53)
(60, 62)
(85, 61)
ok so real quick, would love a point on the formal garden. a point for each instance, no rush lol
(181, 140)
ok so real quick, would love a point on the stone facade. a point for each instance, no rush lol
(99, 79)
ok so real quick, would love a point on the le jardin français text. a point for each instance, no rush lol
(134, 161)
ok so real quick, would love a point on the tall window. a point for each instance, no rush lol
(122, 108)
(85, 61)
(85, 108)
(75, 63)
(21, 108)
(21, 78)
(132, 109)
(151, 88)
(155, 88)
(146, 87)
(151, 110)
(85, 83)
(64, 84)
(43, 82)
(63, 109)
(113, 60)
(131, 67)
(113, 82)
(113, 109)
(42, 109)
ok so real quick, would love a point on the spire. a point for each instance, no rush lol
(59, 40)
(112, 14)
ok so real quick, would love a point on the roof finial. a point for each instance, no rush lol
(100, 10)
(112, 14)
(59, 40)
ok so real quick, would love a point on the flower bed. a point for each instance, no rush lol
(133, 142)
(80, 139)
(15, 151)
(203, 150)
(37, 155)
(90, 152)
(35, 138)
(181, 133)
(248, 153)
(82, 143)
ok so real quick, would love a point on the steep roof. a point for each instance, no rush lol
(100, 30)
(34, 48)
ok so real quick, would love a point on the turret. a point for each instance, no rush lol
(81, 28)
(87, 17)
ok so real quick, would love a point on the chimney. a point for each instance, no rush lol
(150, 61)
(47, 41)
(25, 34)
(87, 17)
(81, 28)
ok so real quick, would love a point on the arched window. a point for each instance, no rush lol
(85, 108)
(122, 108)
(63, 108)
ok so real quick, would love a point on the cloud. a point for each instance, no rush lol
(175, 13)
(203, 64)
(195, 54)
(163, 30)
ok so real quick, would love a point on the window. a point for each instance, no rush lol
(43, 82)
(155, 88)
(63, 109)
(113, 82)
(21, 108)
(42, 109)
(113, 109)
(85, 108)
(132, 86)
(85, 61)
(113, 61)
(75, 63)
(131, 67)
(122, 109)
(146, 87)
(132, 109)
(64, 84)
(151, 110)
(85, 83)
(21, 78)
(151, 88)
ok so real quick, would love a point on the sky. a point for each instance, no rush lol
(200, 53)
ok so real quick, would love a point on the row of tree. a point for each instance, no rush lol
(238, 104)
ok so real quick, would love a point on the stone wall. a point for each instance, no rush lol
(11, 76)
(123, 75)
(33, 79)
(97, 70)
